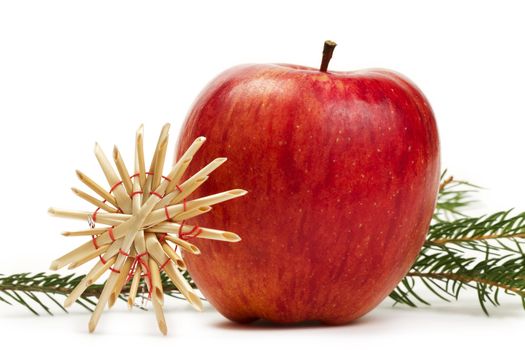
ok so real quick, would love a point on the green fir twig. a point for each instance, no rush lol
(29, 290)
(481, 253)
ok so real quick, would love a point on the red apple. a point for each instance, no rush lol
(342, 172)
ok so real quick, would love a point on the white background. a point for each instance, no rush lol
(75, 72)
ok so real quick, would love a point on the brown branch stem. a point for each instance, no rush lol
(93, 291)
(476, 239)
(465, 279)
(445, 183)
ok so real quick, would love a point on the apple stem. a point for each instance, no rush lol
(328, 50)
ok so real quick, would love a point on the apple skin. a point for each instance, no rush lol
(342, 172)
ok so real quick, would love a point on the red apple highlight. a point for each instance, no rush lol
(342, 170)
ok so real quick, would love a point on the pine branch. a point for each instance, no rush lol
(481, 253)
(484, 254)
(499, 231)
(25, 289)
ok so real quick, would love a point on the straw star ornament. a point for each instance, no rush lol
(143, 217)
